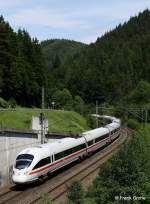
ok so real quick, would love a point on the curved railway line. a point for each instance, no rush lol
(56, 185)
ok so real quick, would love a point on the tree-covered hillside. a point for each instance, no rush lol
(56, 51)
(22, 66)
(111, 68)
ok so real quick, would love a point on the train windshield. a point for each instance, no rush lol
(25, 156)
(23, 161)
(22, 164)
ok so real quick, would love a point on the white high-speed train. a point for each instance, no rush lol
(37, 161)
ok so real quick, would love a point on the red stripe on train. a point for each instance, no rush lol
(55, 163)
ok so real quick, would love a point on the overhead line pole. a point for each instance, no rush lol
(42, 98)
(96, 113)
(42, 118)
(146, 117)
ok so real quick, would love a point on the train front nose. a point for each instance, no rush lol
(19, 177)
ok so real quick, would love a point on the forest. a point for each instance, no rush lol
(22, 66)
(114, 70)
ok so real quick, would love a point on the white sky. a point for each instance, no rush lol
(80, 20)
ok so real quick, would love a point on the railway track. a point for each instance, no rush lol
(56, 186)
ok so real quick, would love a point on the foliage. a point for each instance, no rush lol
(46, 199)
(75, 193)
(109, 69)
(22, 66)
(3, 103)
(133, 124)
(127, 174)
(78, 104)
(62, 98)
(141, 94)
(89, 201)
(12, 102)
(56, 51)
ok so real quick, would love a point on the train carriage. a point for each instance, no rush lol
(35, 162)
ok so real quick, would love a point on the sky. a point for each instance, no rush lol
(80, 20)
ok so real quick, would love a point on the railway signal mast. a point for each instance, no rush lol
(96, 113)
(42, 118)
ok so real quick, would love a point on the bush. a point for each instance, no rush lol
(89, 201)
(62, 98)
(3, 103)
(126, 174)
(46, 199)
(133, 124)
(141, 94)
(12, 102)
(75, 193)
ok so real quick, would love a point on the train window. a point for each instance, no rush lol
(104, 136)
(69, 151)
(97, 139)
(22, 164)
(74, 149)
(83, 146)
(64, 153)
(23, 161)
(59, 155)
(101, 138)
(79, 147)
(25, 156)
(42, 162)
(90, 143)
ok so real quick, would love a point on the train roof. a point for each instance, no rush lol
(92, 134)
(111, 118)
(53, 147)
(43, 150)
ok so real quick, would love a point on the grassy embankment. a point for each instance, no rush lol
(59, 121)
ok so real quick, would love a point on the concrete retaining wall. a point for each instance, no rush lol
(11, 143)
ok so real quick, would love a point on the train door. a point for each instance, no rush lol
(52, 158)
(52, 161)
(109, 137)
(86, 145)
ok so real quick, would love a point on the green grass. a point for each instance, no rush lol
(59, 121)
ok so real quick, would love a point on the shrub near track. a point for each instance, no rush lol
(126, 175)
